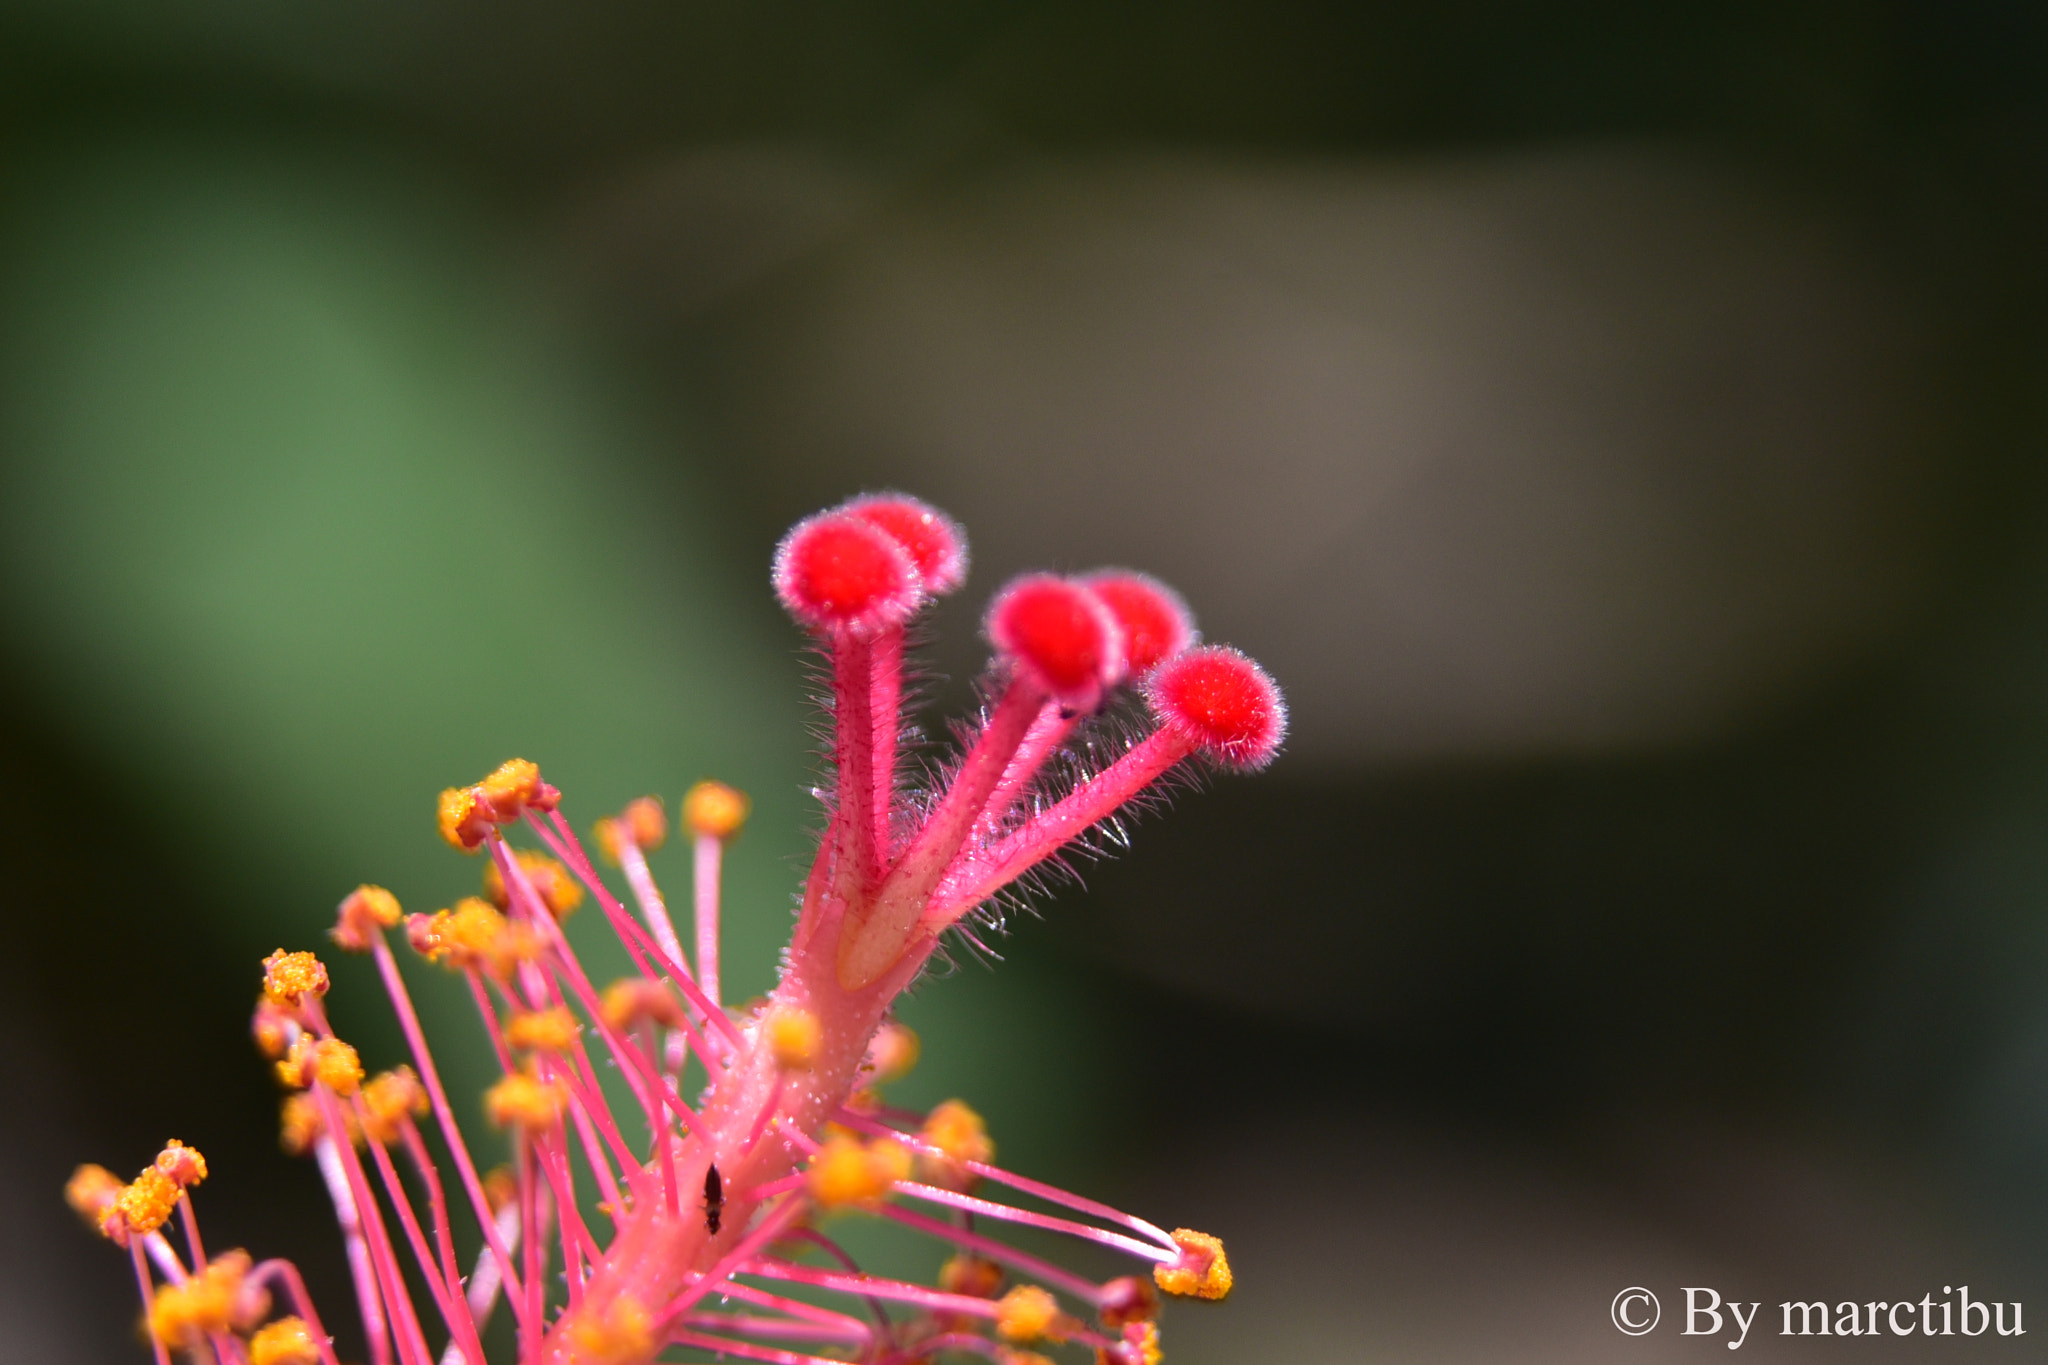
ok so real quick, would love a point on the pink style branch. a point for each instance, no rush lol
(706, 1235)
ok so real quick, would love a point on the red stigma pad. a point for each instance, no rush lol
(935, 541)
(1222, 703)
(836, 571)
(1063, 633)
(1156, 623)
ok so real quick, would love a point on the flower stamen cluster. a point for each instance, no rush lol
(614, 1234)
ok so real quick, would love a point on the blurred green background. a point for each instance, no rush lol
(1619, 427)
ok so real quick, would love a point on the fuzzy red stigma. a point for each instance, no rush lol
(1063, 633)
(935, 541)
(1222, 703)
(1156, 623)
(836, 571)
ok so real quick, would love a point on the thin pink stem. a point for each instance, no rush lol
(562, 842)
(164, 1258)
(191, 1221)
(763, 1325)
(747, 1350)
(963, 1341)
(1052, 1194)
(368, 1297)
(1048, 731)
(640, 1072)
(437, 1204)
(405, 1325)
(1085, 1290)
(653, 907)
(708, 851)
(764, 1232)
(932, 1194)
(983, 874)
(532, 1249)
(874, 939)
(853, 734)
(447, 1297)
(416, 1041)
(885, 709)
(870, 1287)
(980, 773)
(828, 1318)
(488, 1277)
(147, 1288)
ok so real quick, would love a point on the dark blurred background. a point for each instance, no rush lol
(1620, 427)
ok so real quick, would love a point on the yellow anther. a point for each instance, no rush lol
(513, 786)
(715, 810)
(848, 1171)
(181, 1163)
(142, 1207)
(524, 1101)
(1202, 1272)
(300, 1123)
(631, 999)
(549, 1030)
(388, 1098)
(961, 1136)
(1145, 1337)
(289, 977)
(501, 1187)
(793, 1036)
(643, 821)
(91, 1191)
(1126, 1299)
(970, 1274)
(473, 934)
(463, 819)
(558, 891)
(329, 1061)
(622, 1332)
(1030, 1313)
(892, 1052)
(272, 1027)
(182, 1316)
(288, 1341)
(362, 916)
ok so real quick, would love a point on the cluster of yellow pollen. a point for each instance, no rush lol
(892, 1052)
(466, 815)
(1202, 1272)
(289, 977)
(389, 1098)
(328, 1061)
(792, 1036)
(624, 1333)
(143, 1206)
(473, 934)
(850, 1171)
(558, 891)
(1029, 1313)
(714, 810)
(549, 1030)
(643, 821)
(635, 1000)
(288, 1341)
(523, 1101)
(960, 1136)
(364, 912)
(975, 1276)
(210, 1303)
